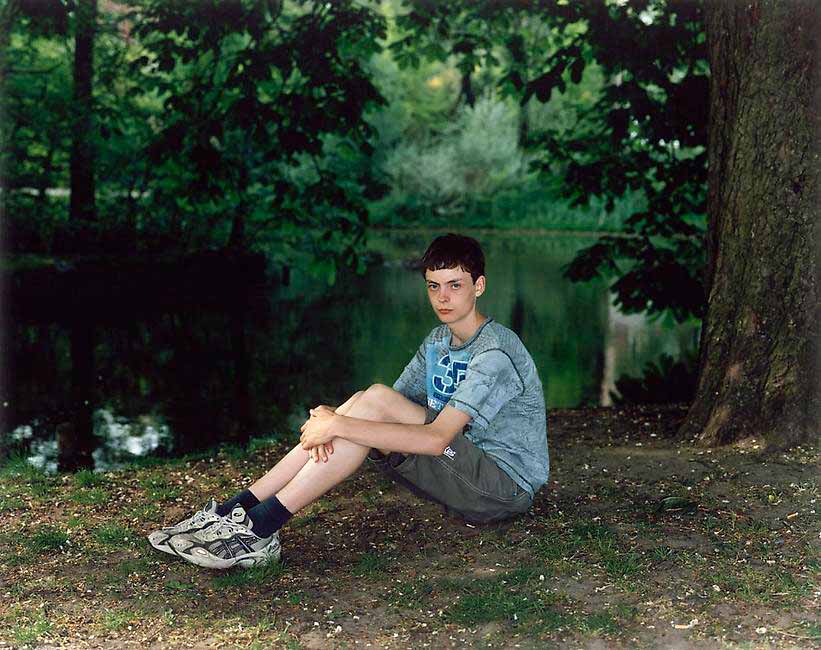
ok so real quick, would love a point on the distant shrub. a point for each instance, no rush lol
(476, 155)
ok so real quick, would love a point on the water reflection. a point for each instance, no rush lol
(204, 373)
(120, 441)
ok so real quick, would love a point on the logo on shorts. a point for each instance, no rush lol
(449, 452)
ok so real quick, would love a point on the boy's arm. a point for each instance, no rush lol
(411, 383)
(428, 439)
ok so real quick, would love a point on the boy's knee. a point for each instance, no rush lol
(378, 391)
(371, 403)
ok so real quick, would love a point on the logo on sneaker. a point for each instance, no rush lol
(449, 452)
(238, 514)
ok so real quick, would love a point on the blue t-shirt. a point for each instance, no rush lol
(492, 378)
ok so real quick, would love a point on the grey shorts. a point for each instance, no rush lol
(464, 479)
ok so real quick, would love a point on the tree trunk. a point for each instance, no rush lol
(466, 90)
(759, 344)
(75, 439)
(83, 206)
(237, 240)
(8, 14)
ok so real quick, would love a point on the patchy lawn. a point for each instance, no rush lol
(639, 540)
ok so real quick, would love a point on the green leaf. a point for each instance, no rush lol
(669, 504)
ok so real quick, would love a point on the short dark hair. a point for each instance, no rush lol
(452, 250)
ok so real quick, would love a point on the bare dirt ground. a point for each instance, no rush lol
(640, 539)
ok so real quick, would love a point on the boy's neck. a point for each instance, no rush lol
(464, 329)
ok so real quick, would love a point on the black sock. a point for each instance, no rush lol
(268, 517)
(246, 499)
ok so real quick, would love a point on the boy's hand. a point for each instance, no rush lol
(316, 430)
(321, 452)
(322, 409)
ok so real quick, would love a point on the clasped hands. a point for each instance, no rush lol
(316, 437)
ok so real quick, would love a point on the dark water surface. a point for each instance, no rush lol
(190, 378)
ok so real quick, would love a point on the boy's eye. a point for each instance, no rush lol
(456, 285)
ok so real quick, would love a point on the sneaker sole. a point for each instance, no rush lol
(162, 546)
(165, 547)
(246, 561)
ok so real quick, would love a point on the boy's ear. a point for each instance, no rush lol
(480, 285)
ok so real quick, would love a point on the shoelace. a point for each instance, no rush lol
(197, 518)
(223, 529)
(202, 515)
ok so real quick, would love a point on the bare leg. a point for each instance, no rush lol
(288, 466)
(378, 403)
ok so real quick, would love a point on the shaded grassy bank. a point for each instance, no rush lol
(639, 540)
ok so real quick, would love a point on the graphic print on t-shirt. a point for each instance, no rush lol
(445, 369)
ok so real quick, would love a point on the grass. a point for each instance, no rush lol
(116, 620)
(259, 444)
(296, 598)
(568, 547)
(48, 538)
(574, 571)
(17, 558)
(520, 598)
(114, 535)
(597, 623)
(147, 511)
(508, 596)
(259, 575)
(138, 565)
(30, 628)
(813, 631)
(232, 452)
(150, 462)
(371, 565)
(17, 466)
(603, 546)
(662, 553)
(94, 496)
(25, 479)
(159, 488)
(758, 586)
(87, 479)
(176, 586)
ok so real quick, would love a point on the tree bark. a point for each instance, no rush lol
(466, 90)
(237, 240)
(758, 365)
(83, 207)
(8, 14)
(75, 439)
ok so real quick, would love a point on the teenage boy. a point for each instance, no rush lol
(464, 424)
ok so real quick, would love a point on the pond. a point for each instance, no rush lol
(178, 380)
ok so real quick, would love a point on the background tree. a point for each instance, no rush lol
(759, 345)
(83, 195)
(36, 101)
(646, 131)
(262, 105)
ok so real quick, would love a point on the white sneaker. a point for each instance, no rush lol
(200, 520)
(231, 542)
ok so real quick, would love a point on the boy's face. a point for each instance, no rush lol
(452, 293)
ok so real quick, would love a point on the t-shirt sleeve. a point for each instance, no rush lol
(491, 380)
(411, 382)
